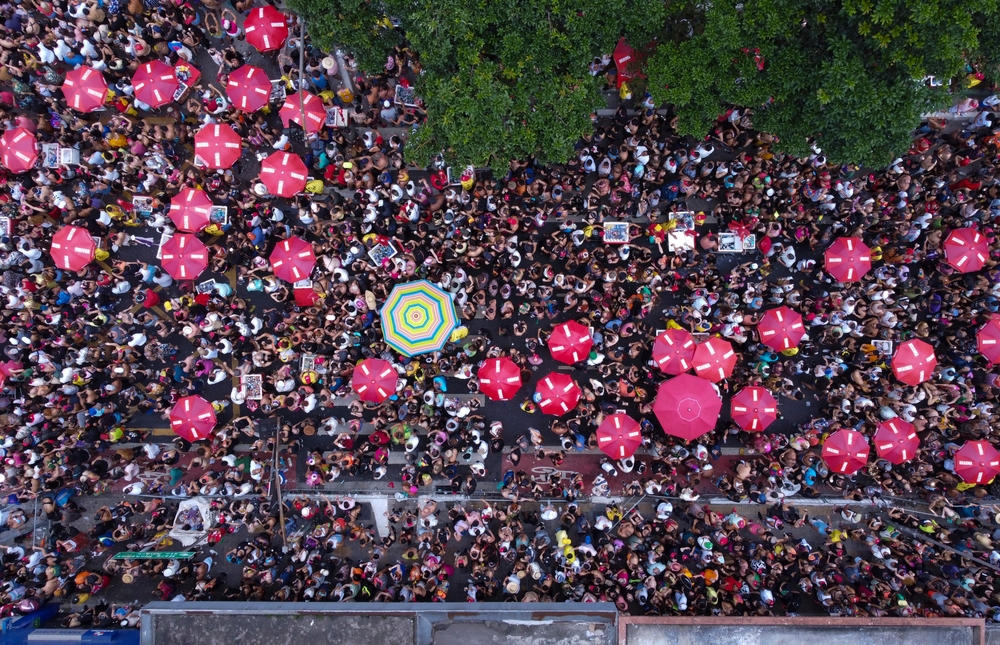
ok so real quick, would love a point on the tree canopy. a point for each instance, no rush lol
(846, 74)
(502, 79)
(506, 79)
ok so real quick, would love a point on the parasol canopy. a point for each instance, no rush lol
(72, 248)
(966, 249)
(781, 328)
(687, 406)
(848, 259)
(266, 28)
(284, 174)
(914, 362)
(154, 83)
(714, 359)
(619, 436)
(625, 61)
(418, 318)
(85, 89)
(988, 339)
(6, 369)
(192, 418)
(293, 259)
(557, 393)
(570, 342)
(19, 150)
(309, 104)
(305, 296)
(249, 88)
(896, 440)
(499, 378)
(217, 146)
(754, 408)
(977, 462)
(191, 210)
(374, 380)
(845, 451)
(673, 351)
(184, 256)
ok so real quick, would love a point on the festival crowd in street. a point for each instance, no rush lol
(889, 278)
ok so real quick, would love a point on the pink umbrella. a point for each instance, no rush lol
(6, 369)
(845, 451)
(988, 339)
(754, 408)
(266, 28)
(283, 174)
(19, 150)
(85, 89)
(72, 248)
(192, 418)
(310, 105)
(374, 380)
(781, 328)
(619, 436)
(190, 210)
(154, 83)
(687, 406)
(673, 351)
(848, 259)
(184, 256)
(896, 440)
(249, 88)
(625, 61)
(966, 250)
(977, 462)
(217, 146)
(914, 362)
(570, 342)
(557, 393)
(293, 259)
(714, 359)
(499, 378)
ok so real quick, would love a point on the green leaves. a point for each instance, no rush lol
(503, 79)
(844, 74)
(508, 79)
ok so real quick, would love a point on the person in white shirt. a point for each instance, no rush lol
(87, 50)
(62, 50)
(46, 55)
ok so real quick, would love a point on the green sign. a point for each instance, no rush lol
(154, 555)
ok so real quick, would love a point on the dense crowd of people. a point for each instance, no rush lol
(89, 355)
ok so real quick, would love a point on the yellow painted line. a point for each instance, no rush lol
(104, 266)
(162, 432)
(162, 314)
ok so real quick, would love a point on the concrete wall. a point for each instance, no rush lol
(799, 631)
(521, 624)
(263, 629)
(370, 624)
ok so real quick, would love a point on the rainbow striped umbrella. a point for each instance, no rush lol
(418, 318)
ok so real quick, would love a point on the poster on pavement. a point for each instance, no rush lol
(219, 215)
(730, 243)
(336, 117)
(143, 205)
(382, 252)
(616, 233)
(253, 386)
